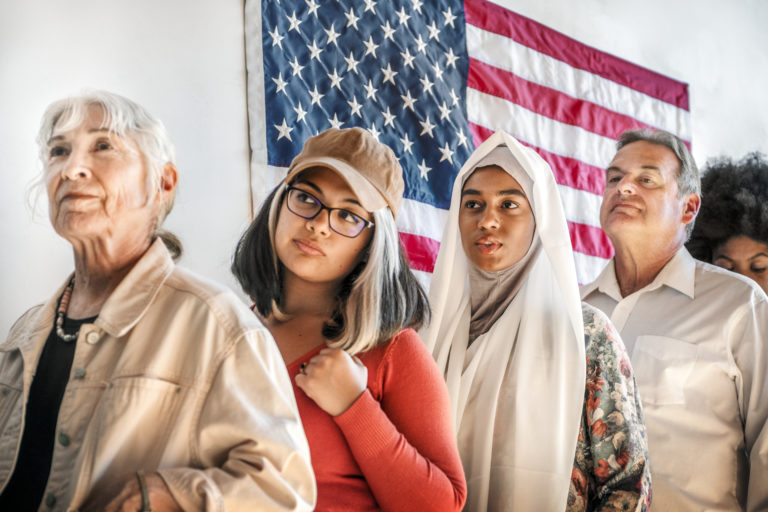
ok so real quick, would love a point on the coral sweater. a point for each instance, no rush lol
(394, 448)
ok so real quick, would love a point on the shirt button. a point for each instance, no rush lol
(63, 439)
(50, 500)
(5, 392)
(92, 337)
(79, 372)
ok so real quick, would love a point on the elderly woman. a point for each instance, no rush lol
(731, 229)
(137, 385)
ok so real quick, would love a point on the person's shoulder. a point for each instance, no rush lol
(727, 286)
(404, 348)
(599, 332)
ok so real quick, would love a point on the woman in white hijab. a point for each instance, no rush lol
(542, 424)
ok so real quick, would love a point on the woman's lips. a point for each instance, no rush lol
(307, 247)
(487, 245)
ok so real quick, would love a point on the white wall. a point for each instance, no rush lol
(183, 60)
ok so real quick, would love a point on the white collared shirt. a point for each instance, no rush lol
(697, 339)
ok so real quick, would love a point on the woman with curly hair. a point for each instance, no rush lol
(732, 226)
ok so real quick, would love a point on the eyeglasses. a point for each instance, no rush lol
(343, 222)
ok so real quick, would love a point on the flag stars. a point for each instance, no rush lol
(351, 62)
(426, 83)
(316, 96)
(314, 51)
(407, 143)
(417, 5)
(280, 84)
(449, 17)
(462, 138)
(301, 114)
(423, 169)
(335, 79)
(402, 17)
(277, 39)
(355, 107)
(332, 36)
(421, 45)
(427, 127)
(433, 31)
(445, 111)
(407, 58)
(389, 118)
(388, 31)
(296, 67)
(285, 131)
(351, 18)
(438, 71)
(408, 100)
(370, 90)
(370, 6)
(370, 47)
(389, 74)
(335, 123)
(294, 21)
(447, 153)
(373, 131)
(313, 6)
(454, 98)
(451, 58)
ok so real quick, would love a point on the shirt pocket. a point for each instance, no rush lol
(9, 397)
(662, 366)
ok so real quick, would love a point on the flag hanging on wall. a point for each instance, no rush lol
(432, 79)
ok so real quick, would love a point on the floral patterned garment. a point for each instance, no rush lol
(610, 470)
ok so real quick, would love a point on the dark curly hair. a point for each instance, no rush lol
(734, 202)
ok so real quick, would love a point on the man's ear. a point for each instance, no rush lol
(168, 178)
(691, 205)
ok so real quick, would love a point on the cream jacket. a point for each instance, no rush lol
(175, 375)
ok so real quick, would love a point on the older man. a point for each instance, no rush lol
(696, 334)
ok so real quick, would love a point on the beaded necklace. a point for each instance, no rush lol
(63, 306)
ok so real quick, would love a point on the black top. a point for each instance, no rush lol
(33, 464)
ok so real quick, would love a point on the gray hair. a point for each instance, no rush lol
(124, 118)
(688, 179)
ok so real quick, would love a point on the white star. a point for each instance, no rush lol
(406, 144)
(351, 62)
(277, 39)
(335, 123)
(389, 118)
(316, 97)
(301, 114)
(402, 16)
(332, 36)
(351, 18)
(451, 58)
(335, 79)
(370, 90)
(314, 51)
(427, 127)
(374, 131)
(370, 46)
(408, 100)
(369, 6)
(423, 169)
(449, 17)
(447, 153)
(389, 74)
(438, 71)
(407, 58)
(426, 84)
(445, 111)
(312, 7)
(296, 67)
(280, 83)
(355, 106)
(420, 44)
(285, 130)
(462, 138)
(417, 5)
(295, 22)
(454, 98)
(433, 31)
(388, 31)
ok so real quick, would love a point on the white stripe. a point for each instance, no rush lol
(580, 206)
(424, 278)
(255, 97)
(544, 132)
(588, 267)
(422, 219)
(505, 53)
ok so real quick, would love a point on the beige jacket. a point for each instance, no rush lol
(176, 374)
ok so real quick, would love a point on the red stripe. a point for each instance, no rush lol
(494, 18)
(569, 172)
(421, 251)
(590, 240)
(549, 102)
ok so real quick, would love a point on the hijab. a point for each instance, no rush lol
(517, 392)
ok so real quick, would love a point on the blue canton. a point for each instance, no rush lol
(396, 68)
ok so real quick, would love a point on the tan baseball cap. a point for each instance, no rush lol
(369, 167)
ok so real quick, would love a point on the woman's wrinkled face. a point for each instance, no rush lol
(746, 256)
(495, 220)
(308, 248)
(96, 182)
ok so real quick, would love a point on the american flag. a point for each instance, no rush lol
(432, 79)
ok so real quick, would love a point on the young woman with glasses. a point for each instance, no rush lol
(324, 266)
